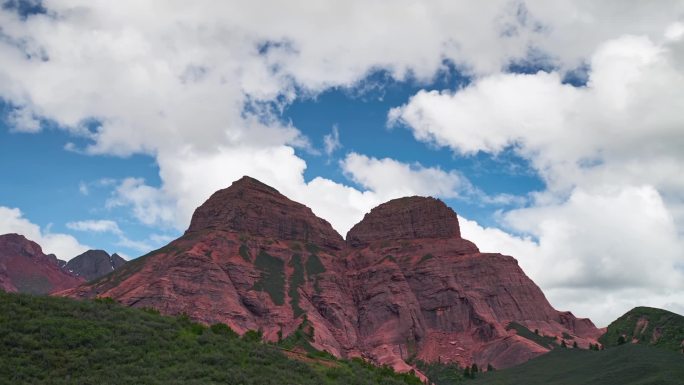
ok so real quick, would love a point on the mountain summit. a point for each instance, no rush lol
(25, 268)
(406, 218)
(254, 208)
(94, 264)
(404, 286)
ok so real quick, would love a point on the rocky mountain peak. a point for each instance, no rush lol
(94, 263)
(18, 243)
(25, 268)
(406, 218)
(404, 286)
(252, 207)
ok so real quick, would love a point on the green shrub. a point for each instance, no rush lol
(296, 281)
(314, 266)
(425, 257)
(223, 329)
(272, 278)
(544, 341)
(253, 336)
(59, 341)
(244, 253)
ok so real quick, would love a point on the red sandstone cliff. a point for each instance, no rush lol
(25, 268)
(404, 285)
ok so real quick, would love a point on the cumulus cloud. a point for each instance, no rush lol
(331, 141)
(174, 67)
(623, 127)
(598, 254)
(111, 227)
(389, 177)
(148, 203)
(98, 226)
(21, 119)
(190, 178)
(609, 225)
(64, 246)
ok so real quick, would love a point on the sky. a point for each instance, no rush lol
(553, 128)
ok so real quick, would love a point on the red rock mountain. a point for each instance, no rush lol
(25, 268)
(404, 285)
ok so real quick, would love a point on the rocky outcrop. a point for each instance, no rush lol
(405, 285)
(94, 264)
(25, 268)
(259, 210)
(405, 218)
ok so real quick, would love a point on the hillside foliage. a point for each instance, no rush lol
(45, 340)
(647, 325)
(629, 364)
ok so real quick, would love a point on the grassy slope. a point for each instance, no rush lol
(670, 326)
(47, 340)
(543, 341)
(623, 365)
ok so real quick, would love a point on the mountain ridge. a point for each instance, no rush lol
(403, 286)
(25, 268)
(93, 264)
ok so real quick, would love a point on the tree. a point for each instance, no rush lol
(563, 344)
(574, 345)
(473, 369)
(536, 331)
(253, 335)
(490, 368)
(466, 372)
(621, 340)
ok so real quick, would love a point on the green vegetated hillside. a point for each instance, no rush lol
(46, 340)
(629, 364)
(647, 325)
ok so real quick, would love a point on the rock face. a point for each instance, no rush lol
(94, 264)
(405, 218)
(404, 285)
(25, 268)
(259, 210)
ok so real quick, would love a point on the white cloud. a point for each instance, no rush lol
(148, 202)
(22, 120)
(109, 226)
(98, 226)
(83, 188)
(140, 246)
(604, 239)
(606, 234)
(389, 177)
(598, 254)
(331, 141)
(623, 127)
(64, 246)
(174, 67)
(190, 178)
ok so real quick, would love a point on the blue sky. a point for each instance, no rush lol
(81, 184)
(553, 129)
